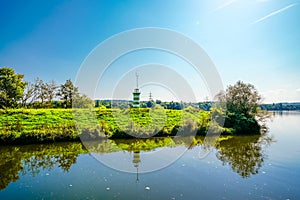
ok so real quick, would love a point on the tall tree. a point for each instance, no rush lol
(67, 93)
(50, 92)
(11, 87)
(28, 94)
(241, 98)
(243, 113)
(40, 90)
(41, 93)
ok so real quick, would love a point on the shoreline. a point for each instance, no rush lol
(38, 126)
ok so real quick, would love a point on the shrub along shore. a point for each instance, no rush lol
(23, 126)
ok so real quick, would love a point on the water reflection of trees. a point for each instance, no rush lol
(33, 158)
(108, 146)
(245, 154)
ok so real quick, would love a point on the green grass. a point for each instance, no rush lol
(48, 125)
(30, 125)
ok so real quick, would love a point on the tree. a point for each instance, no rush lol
(39, 93)
(28, 94)
(150, 104)
(97, 103)
(39, 90)
(83, 101)
(241, 98)
(11, 87)
(50, 92)
(158, 101)
(67, 92)
(243, 112)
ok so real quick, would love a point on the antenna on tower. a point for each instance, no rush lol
(137, 80)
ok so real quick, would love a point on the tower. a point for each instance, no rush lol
(150, 103)
(150, 96)
(136, 94)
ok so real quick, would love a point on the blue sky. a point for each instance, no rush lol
(257, 41)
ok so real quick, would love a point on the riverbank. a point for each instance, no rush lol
(24, 126)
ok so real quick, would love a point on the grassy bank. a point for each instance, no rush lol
(36, 125)
(48, 125)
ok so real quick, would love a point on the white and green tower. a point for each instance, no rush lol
(136, 94)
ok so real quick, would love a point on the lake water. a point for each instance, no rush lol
(249, 167)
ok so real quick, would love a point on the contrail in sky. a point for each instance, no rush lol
(274, 13)
(224, 5)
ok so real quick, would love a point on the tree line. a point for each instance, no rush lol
(240, 98)
(15, 93)
(281, 106)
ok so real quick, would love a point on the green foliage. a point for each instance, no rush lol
(150, 104)
(11, 87)
(48, 125)
(116, 119)
(241, 98)
(205, 105)
(242, 104)
(281, 106)
(82, 101)
(242, 125)
(41, 125)
(243, 154)
(67, 92)
(42, 94)
(15, 160)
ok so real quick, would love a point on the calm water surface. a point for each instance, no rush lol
(249, 167)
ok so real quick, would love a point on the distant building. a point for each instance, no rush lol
(136, 94)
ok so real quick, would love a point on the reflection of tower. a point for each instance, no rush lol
(136, 94)
(136, 160)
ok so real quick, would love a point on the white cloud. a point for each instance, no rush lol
(274, 13)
